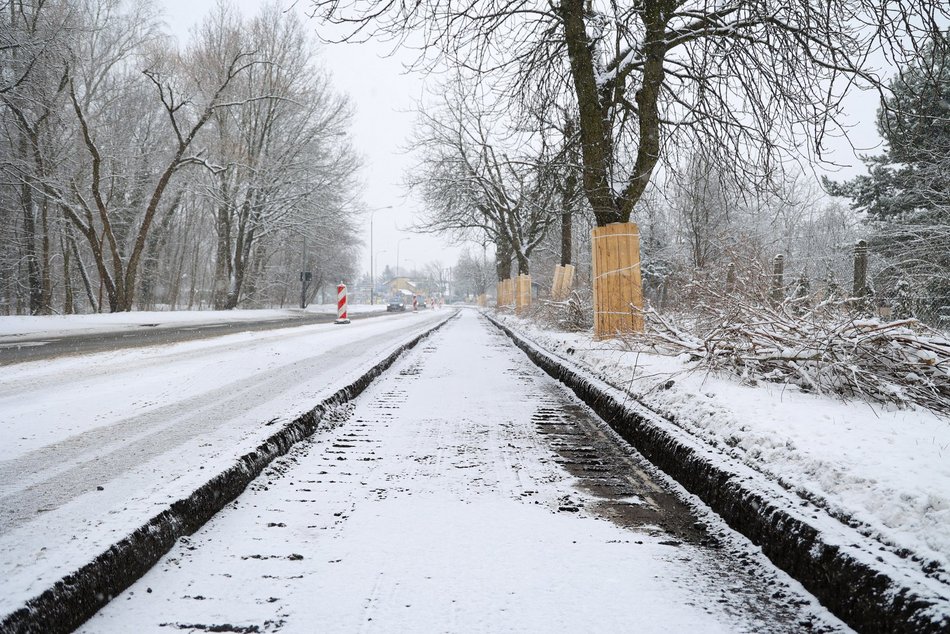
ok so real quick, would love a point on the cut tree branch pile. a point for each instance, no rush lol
(825, 349)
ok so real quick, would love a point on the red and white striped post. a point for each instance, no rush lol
(341, 317)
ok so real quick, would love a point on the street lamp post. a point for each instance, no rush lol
(372, 287)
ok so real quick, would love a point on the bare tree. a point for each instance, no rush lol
(33, 50)
(284, 162)
(135, 132)
(472, 274)
(758, 79)
(114, 143)
(480, 184)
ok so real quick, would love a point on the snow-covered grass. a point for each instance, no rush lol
(885, 470)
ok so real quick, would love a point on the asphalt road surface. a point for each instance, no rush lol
(36, 348)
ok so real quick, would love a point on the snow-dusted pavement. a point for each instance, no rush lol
(93, 446)
(449, 497)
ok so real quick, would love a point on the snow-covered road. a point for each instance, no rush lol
(95, 445)
(463, 491)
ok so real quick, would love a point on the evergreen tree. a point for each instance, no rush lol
(906, 193)
(913, 173)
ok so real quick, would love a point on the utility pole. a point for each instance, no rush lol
(372, 271)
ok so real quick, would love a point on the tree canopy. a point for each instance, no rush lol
(648, 77)
(906, 192)
(913, 173)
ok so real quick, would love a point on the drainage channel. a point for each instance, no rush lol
(464, 490)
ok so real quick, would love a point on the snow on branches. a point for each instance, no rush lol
(826, 349)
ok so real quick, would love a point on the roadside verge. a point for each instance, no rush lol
(871, 589)
(78, 595)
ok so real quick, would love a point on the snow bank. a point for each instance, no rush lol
(884, 471)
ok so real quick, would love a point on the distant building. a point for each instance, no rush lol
(400, 284)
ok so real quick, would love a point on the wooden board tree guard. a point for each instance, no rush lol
(563, 282)
(506, 293)
(567, 281)
(522, 288)
(618, 292)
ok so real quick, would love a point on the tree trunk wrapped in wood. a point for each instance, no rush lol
(522, 285)
(563, 282)
(618, 290)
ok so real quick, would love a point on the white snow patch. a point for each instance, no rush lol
(887, 468)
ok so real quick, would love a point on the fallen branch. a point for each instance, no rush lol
(821, 350)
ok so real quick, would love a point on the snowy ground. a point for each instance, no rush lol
(886, 470)
(92, 446)
(58, 325)
(436, 505)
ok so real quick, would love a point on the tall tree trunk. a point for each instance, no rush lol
(153, 251)
(567, 219)
(251, 291)
(46, 282)
(568, 194)
(246, 238)
(596, 134)
(33, 276)
(83, 274)
(524, 265)
(172, 295)
(194, 276)
(68, 305)
(222, 260)
(241, 264)
(595, 101)
(503, 258)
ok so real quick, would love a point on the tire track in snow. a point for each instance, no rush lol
(47, 478)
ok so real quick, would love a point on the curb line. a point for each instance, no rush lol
(849, 574)
(80, 594)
